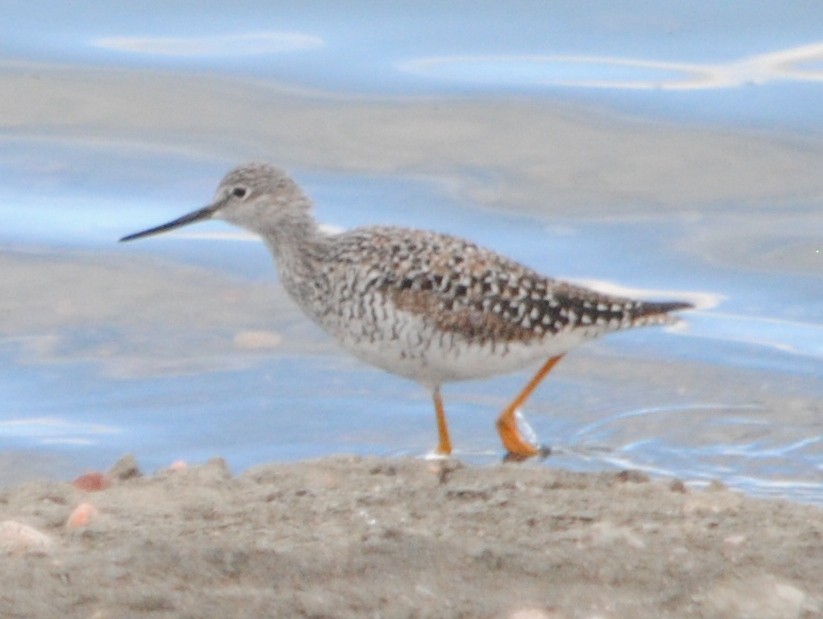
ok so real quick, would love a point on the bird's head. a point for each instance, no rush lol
(255, 196)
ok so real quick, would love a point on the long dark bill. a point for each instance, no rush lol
(204, 213)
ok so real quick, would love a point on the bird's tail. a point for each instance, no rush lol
(657, 312)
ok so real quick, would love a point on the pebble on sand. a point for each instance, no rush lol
(178, 466)
(92, 482)
(82, 516)
(19, 539)
(125, 468)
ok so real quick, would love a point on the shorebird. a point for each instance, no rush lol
(428, 306)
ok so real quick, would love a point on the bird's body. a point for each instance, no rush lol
(435, 308)
(428, 306)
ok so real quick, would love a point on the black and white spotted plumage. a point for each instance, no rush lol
(472, 291)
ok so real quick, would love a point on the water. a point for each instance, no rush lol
(673, 152)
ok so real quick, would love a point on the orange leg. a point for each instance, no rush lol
(517, 446)
(444, 444)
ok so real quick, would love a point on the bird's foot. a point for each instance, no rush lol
(518, 438)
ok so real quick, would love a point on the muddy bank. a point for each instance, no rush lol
(357, 537)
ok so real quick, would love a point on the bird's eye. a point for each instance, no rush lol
(239, 192)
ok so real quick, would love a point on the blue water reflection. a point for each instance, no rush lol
(734, 394)
(432, 47)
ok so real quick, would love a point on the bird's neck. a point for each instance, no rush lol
(299, 247)
(293, 234)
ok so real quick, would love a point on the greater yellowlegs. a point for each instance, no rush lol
(428, 306)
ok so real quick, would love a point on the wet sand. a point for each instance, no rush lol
(375, 537)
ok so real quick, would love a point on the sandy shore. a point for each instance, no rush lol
(355, 537)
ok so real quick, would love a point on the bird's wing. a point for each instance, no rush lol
(481, 294)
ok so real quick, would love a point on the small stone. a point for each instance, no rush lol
(677, 485)
(92, 482)
(18, 539)
(82, 516)
(125, 468)
(178, 466)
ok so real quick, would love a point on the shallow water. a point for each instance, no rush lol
(571, 142)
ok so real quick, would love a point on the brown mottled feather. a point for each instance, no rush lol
(479, 294)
